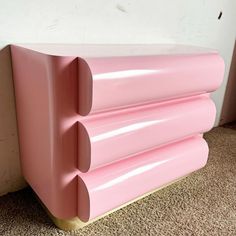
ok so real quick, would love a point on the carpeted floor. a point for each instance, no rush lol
(204, 203)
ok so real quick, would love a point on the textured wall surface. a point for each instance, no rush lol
(104, 21)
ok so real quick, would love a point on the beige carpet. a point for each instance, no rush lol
(202, 204)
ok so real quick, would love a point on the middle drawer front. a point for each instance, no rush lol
(112, 136)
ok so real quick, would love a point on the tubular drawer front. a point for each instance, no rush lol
(108, 83)
(110, 136)
(111, 186)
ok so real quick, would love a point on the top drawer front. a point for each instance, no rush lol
(118, 82)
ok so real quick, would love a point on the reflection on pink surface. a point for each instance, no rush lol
(133, 173)
(124, 130)
(123, 74)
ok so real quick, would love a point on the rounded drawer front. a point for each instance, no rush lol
(107, 83)
(112, 186)
(112, 136)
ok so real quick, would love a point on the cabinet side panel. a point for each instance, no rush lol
(33, 92)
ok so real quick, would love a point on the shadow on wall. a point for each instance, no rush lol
(228, 113)
(10, 174)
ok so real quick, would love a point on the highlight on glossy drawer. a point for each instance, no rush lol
(109, 137)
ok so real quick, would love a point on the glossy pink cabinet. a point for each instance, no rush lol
(100, 126)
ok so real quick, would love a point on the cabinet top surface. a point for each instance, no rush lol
(113, 50)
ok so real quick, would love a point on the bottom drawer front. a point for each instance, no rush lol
(109, 187)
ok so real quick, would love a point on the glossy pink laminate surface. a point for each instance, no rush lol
(125, 81)
(113, 136)
(120, 114)
(109, 187)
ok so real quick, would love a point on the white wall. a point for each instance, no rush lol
(119, 21)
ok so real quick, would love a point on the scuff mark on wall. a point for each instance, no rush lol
(220, 15)
(121, 8)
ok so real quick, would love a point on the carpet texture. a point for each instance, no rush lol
(204, 203)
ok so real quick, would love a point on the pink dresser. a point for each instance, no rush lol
(100, 126)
